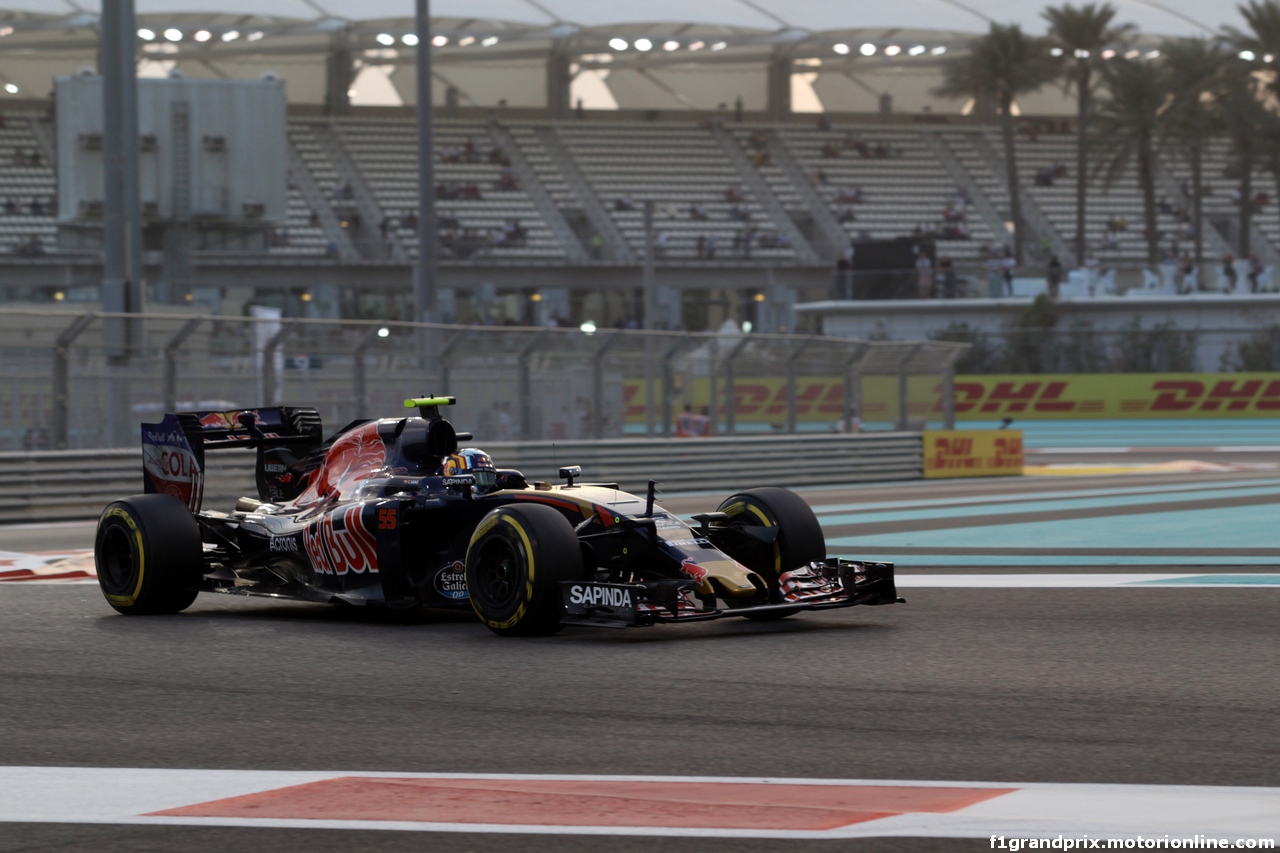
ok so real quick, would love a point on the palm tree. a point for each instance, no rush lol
(1239, 109)
(1000, 66)
(1082, 33)
(1193, 66)
(1127, 127)
(1253, 131)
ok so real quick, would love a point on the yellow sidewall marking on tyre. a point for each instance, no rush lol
(129, 600)
(528, 587)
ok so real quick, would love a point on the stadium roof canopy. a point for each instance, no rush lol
(655, 54)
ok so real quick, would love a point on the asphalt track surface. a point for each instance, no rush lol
(1124, 685)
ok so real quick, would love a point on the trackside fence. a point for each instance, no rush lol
(85, 380)
(77, 484)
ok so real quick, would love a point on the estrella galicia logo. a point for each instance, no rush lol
(451, 581)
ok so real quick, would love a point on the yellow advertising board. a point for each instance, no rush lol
(1088, 396)
(1084, 396)
(972, 453)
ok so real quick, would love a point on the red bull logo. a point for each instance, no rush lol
(693, 571)
(339, 543)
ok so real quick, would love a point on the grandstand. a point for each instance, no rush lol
(540, 184)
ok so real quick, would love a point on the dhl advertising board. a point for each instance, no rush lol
(1086, 396)
(972, 453)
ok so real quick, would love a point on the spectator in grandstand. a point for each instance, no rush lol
(331, 250)
(280, 237)
(961, 200)
(738, 213)
(32, 247)
(471, 192)
(761, 158)
(1007, 266)
(624, 203)
(1044, 177)
(497, 155)
(579, 111)
(737, 109)
(1229, 276)
(469, 150)
(314, 219)
(1255, 270)
(733, 194)
(342, 189)
(36, 207)
(850, 195)
(824, 123)
(712, 240)
(758, 140)
(924, 276)
(845, 215)
(947, 269)
(10, 206)
(820, 177)
(855, 143)
(507, 182)
(698, 213)
(830, 150)
(1060, 169)
(410, 220)
(1186, 270)
(1054, 275)
(450, 154)
(597, 247)
(660, 244)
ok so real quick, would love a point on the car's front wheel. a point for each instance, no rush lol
(148, 555)
(798, 539)
(516, 560)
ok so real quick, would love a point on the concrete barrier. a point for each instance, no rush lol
(77, 484)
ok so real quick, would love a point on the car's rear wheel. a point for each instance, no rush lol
(516, 560)
(148, 555)
(799, 540)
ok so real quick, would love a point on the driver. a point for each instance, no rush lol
(473, 461)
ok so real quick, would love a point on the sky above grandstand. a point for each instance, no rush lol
(1157, 17)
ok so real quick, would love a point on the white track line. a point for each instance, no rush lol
(126, 796)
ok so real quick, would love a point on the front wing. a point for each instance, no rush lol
(628, 605)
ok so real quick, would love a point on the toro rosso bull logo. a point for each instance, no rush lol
(339, 543)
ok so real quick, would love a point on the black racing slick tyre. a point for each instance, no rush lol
(516, 560)
(799, 540)
(148, 554)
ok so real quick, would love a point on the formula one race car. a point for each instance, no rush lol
(392, 512)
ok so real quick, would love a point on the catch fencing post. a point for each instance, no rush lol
(902, 387)
(949, 389)
(171, 348)
(666, 385)
(62, 378)
(713, 375)
(853, 384)
(597, 383)
(446, 360)
(526, 415)
(730, 387)
(269, 379)
(358, 379)
(791, 383)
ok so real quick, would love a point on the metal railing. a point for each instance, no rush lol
(59, 388)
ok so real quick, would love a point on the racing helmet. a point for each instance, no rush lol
(473, 461)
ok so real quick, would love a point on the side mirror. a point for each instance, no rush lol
(570, 473)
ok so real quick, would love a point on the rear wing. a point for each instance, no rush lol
(173, 450)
